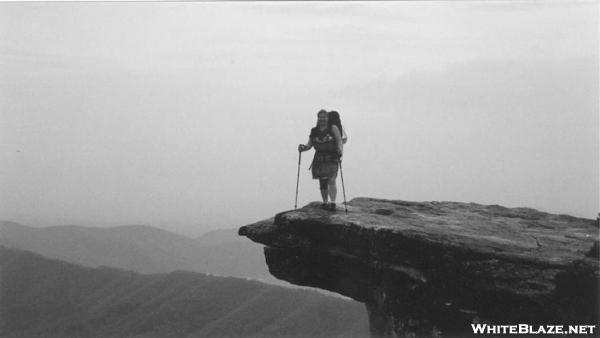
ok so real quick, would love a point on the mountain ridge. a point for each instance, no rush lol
(52, 298)
(140, 248)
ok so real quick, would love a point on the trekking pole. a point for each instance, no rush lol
(297, 179)
(343, 187)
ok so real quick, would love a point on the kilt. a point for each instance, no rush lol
(325, 164)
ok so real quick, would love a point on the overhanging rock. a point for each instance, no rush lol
(431, 268)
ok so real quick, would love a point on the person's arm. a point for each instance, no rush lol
(305, 147)
(338, 139)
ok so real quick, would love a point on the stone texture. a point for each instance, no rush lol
(432, 268)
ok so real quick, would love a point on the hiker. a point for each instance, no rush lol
(326, 137)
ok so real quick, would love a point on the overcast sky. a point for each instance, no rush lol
(187, 116)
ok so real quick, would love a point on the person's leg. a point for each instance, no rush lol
(323, 188)
(332, 188)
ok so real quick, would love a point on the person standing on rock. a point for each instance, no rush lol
(326, 137)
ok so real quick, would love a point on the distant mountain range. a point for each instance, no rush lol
(41, 297)
(142, 249)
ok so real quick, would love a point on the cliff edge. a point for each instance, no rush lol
(433, 268)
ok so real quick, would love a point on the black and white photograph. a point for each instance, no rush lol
(299, 169)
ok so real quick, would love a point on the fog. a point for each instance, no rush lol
(186, 116)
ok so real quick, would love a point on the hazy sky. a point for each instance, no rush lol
(187, 116)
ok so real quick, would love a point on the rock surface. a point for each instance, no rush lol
(431, 268)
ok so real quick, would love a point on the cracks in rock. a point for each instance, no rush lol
(538, 245)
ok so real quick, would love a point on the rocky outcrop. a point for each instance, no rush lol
(433, 268)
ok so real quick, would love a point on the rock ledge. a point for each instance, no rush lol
(431, 268)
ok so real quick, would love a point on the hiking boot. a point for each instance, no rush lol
(332, 207)
(325, 206)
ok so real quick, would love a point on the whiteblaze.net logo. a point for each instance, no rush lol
(534, 329)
